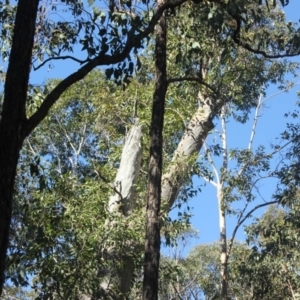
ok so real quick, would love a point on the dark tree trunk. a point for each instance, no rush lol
(13, 115)
(152, 244)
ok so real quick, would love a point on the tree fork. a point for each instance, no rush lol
(152, 241)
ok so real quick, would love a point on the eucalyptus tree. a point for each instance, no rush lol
(212, 66)
(197, 275)
(108, 36)
(196, 60)
(237, 177)
(71, 239)
(267, 268)
(270, 268)
(85, 147)
(34, 36)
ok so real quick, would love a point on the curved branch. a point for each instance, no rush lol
(237, 40)
(180, 79)
(242, 220)
(100, 60)
(58, 58)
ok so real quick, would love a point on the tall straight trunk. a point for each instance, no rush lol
(196, 132)
(222, 210)
(123, 200)
(223, 246)
(13, 115)
(152, 243)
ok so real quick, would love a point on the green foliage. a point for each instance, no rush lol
(12, 293)
(72, 243)
(62, 234)
(226, 72)
(197, 276)
(271, 269)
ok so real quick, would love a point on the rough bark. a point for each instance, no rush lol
(152, 240)
(199, 127)
(13, 115)
(191, 142)
(14, 126)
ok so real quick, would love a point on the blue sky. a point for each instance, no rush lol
(205, 209)
(270, 125)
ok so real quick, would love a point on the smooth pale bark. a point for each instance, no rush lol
(123, 202)
(195, 134)
(123, 199)
(222, 216)
(14, 126)
(223, 244)
(152, 239)
(13, 115)
(192, 141)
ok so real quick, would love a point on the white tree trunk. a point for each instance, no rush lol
(123, 199)
(191, 142)
(125, 183)
(222, 208)
(123, 202)
(223, 243)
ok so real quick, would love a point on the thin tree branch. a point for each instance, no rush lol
(66, 134)
(280, 92)
(256, 116)
(224, 140)
(100, 60)
(110, 185)
(291, 290)
(213, 167)
(82, 140)
(178, 113)
(237, 40)
(31, 148)
(242, 220)
(176, 291)
(60, 58)
(180, 79)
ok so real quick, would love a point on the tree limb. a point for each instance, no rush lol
(180, 79)
(60, 58)
(242, 220)
(237, 40)
(100, 60)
